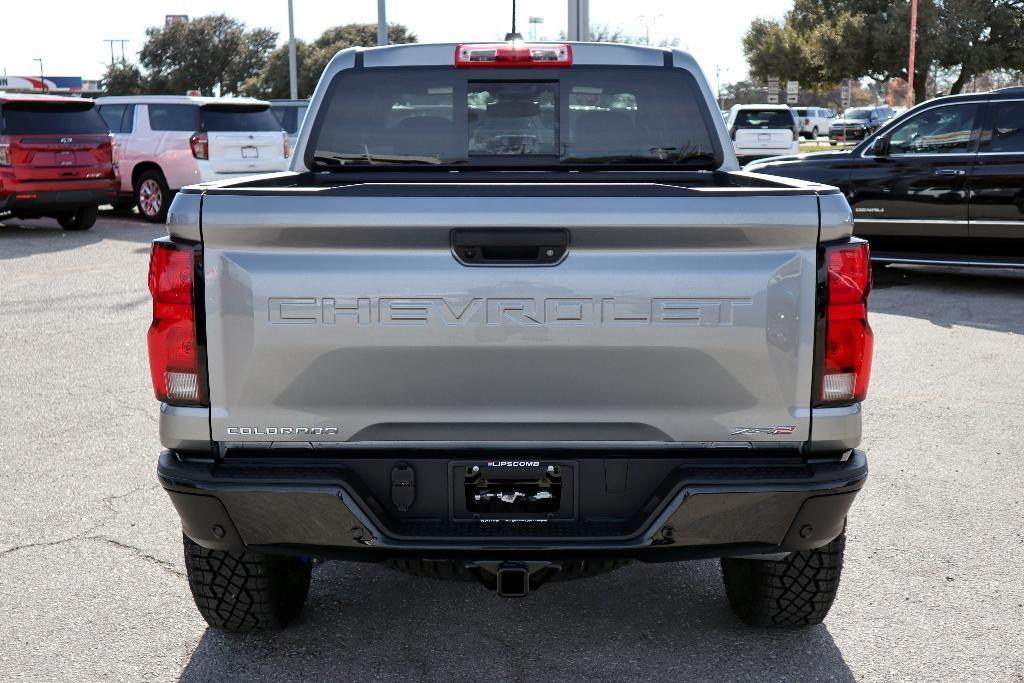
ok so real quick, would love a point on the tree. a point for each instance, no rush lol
(821, 42)
(342, 37)
(273, 80)
(123, 78)
(215, 53)
(312, 58)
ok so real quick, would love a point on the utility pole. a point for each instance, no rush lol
(382, 24)
(913, 49)
(579, 20)
(293, 78)
(116, 40)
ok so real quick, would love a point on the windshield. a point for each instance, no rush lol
(861, 113)
(218, 117)
(520, 117)
(763, 118)
(50, 118)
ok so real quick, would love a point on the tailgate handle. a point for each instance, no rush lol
(515, 247)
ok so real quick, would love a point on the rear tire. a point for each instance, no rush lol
(152, 196)
(241, 592)
(80, 219)
(451, 570)
(796, 591)
(814, 134)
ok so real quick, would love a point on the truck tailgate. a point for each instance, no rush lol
(336, 318)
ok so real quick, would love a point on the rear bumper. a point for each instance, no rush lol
(24, 199)
(336, 509)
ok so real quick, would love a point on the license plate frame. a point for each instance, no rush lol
(250, 152)
(504, 472)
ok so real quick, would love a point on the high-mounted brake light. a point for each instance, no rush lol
(200, 145)
(849, 342)
(173, 350)
(513, 54)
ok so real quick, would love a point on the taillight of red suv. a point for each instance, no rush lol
(5, 151)
(848, 339)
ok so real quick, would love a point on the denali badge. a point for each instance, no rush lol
(771, 431)
(283, 431)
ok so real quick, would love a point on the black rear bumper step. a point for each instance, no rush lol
(332, 509)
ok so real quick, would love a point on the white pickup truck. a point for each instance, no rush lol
(514, 313)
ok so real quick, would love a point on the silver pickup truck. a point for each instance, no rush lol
(514, 314)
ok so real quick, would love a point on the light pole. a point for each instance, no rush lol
(534, 21)
(293, 78)
(647, 26)
(382, 24)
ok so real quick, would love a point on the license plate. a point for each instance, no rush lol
(512, 490)
(764, 137)
(250, 152)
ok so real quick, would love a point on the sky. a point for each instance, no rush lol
(68, 34)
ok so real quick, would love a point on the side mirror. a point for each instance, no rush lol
(880, 146)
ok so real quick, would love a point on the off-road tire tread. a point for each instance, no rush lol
(796, 591)
(452, 570)
(242, 592)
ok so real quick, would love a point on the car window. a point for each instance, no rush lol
(1007, 133)
(513, 117)
(287, 117)
(238, 117)
(50, 118)
(119, 117)
(763, 118)
(943, 130)
(181, 117)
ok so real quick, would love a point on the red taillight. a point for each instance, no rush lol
(200, 145)
(5, 152)
(513, 54)
(286, 150)
(849, 341)
(173, 350)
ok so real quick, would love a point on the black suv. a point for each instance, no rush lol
(943, 183)
(858, 123)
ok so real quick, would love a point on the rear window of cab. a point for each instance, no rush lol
(763, 118)
(513, 117)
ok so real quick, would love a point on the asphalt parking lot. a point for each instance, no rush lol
(92, 581)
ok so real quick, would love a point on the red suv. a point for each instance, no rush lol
(57, 159)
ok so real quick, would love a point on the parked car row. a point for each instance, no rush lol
(942, 183)
(62, 157)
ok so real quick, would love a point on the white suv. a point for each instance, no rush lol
(167, 142)
(763, 130)
(814, 121)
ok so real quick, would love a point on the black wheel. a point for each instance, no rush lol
(833, 143)
(79, 219)
(796, 591)
(241, 592)
(152, 196)
(451, 570)
(814, 133)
